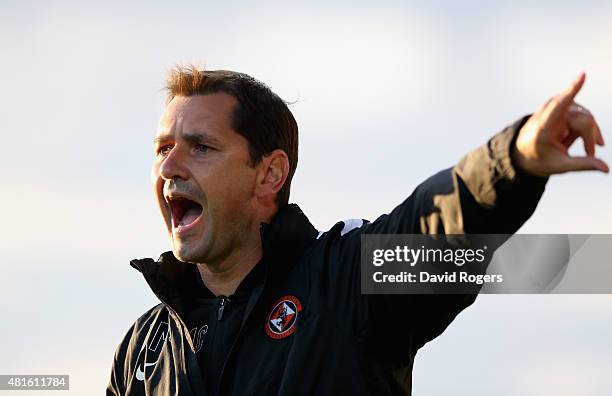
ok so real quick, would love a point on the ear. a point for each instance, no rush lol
(273, 174)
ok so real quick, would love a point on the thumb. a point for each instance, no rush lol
(583, 163)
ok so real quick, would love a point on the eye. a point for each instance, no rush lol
(202, 148)
(164, 150)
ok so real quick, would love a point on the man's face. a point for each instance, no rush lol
(202, 179)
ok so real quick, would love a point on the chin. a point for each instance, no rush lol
(187, 254)
(184, 258)
(182, 253)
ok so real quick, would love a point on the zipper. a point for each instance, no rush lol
(253, 299)
(222, 304)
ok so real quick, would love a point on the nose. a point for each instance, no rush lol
(173, 167)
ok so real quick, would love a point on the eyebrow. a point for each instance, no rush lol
(190, 137)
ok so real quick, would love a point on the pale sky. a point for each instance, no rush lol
(386, 93)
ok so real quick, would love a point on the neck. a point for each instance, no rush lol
(222, 279)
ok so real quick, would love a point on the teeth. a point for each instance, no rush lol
(176, 212)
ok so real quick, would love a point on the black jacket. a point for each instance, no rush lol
(307, 327)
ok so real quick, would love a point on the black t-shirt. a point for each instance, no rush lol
(214, 322)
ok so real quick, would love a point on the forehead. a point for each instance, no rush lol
(210, 113)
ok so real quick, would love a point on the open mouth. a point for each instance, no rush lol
(184, 211)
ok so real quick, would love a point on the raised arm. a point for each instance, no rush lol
(493, 189)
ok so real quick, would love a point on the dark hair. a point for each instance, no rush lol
(261, 116)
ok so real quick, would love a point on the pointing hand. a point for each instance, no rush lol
(542, 144)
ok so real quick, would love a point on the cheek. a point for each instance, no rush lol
(232, 191)
(154, 174)
(240, 184)
(157, 184)
(156, 181)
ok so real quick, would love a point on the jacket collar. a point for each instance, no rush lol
(283, 240)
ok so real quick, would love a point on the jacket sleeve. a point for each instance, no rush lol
(483, 194)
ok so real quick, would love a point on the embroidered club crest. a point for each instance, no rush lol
(281, 320)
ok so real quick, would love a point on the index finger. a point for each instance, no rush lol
(560, 103)
(567, 96)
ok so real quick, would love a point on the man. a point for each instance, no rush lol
(255, 300)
